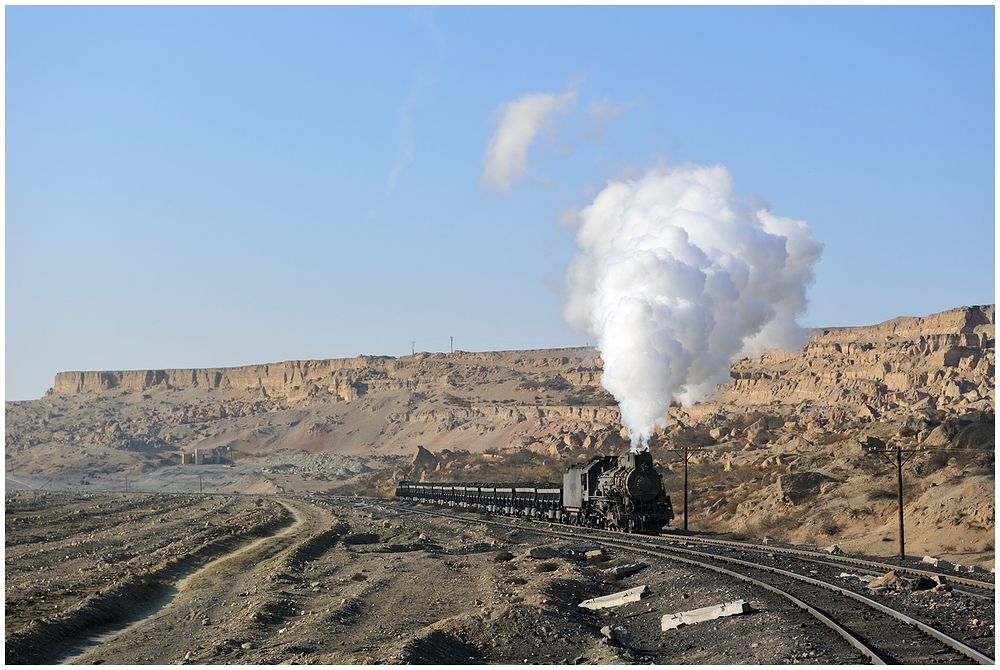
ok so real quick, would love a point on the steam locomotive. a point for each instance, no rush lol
(614, 492)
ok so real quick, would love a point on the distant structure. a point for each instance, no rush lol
(206, 456)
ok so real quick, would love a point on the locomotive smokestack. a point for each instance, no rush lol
(676, 279)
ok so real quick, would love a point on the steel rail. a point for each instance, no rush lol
(818, 556)
(663, 551)
(945, 639)
(834, 558)
(942, 637)
(848, 637)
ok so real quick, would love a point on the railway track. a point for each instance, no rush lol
(882, 633)
(975, 587)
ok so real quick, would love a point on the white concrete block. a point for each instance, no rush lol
(672, 621)
(938, 562)
(616, 599)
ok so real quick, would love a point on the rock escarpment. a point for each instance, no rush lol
(348, 378)
(935, 366)
(943, 361)
(916, 372)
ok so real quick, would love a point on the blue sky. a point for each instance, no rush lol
(215, 186)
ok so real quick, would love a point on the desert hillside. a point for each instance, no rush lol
(777, 452)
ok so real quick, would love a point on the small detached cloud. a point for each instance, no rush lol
(519, 121)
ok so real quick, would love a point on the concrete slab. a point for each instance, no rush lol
(622, 570)
(616, 599)
(672, 621)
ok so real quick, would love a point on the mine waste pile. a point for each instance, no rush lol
(776, 453)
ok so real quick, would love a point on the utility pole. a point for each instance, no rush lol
(452, 344)
(684, 452)
(685, 486)
(413, 348)
(876, 446)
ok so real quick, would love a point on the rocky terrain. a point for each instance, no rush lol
(778, 452)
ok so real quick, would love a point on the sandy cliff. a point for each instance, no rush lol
(944, 361)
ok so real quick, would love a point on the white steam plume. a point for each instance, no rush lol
(677, 278)
(518, 123)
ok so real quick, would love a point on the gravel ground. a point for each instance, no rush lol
(302, 581)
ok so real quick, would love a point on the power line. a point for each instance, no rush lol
(427, 344)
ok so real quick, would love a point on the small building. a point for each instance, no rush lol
(205, 456)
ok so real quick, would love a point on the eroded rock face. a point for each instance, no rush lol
(932, 377)
(964, 432)
(941, 362)
(936, 366)
(799, 487)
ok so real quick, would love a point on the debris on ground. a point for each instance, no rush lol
(623, 570)
(672, 621)
(618, 635)
(887, 581)
(543, 552)
(581, 552)
(616, 599)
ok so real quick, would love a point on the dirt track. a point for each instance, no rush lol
(307, 581)
(203, 602)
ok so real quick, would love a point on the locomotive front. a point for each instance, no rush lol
(634, 491)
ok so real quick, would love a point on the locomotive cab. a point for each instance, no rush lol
(580, 481)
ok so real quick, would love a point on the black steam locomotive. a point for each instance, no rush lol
(614, 492)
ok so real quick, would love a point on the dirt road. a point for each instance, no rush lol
(204, 601)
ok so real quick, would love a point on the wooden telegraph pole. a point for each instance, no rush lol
(684, 452)
(876, 446)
